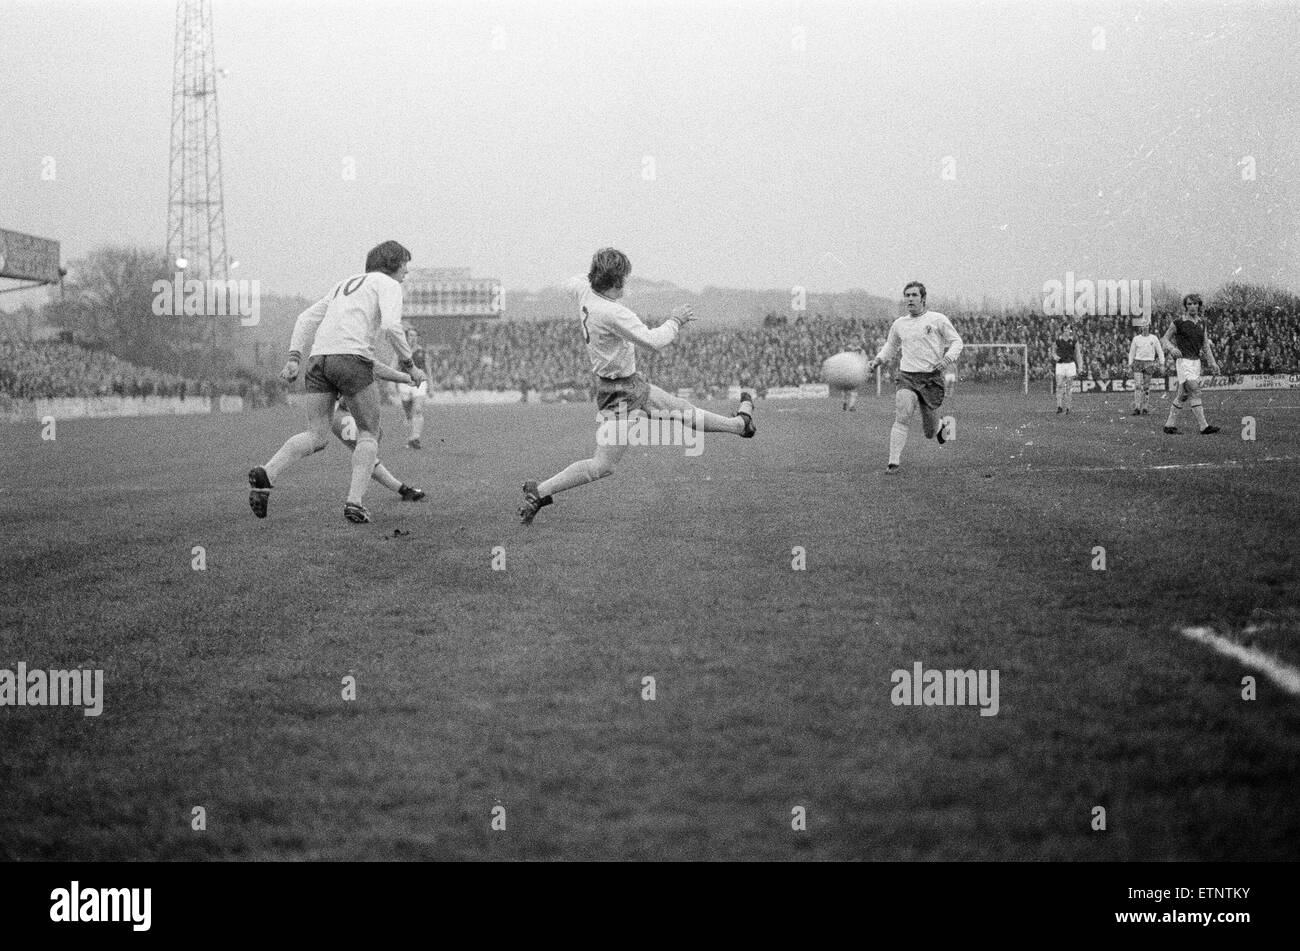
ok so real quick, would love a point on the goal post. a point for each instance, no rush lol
(1021, 365)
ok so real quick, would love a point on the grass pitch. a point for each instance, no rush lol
(522, 688)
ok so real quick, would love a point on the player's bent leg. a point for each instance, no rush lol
(608, 454)
(662, 403)
(929, 420)
(905, 404)
(297, 446)
(385, 478)
(320, 408)
(363, 405)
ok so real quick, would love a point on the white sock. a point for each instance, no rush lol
(1199, 412)
(897, 440)
(385, 478)
(580, 473)
(417, 425)
(297, 446)
(713, 423)
(364, 459)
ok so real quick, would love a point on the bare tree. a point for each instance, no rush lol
(108, 302)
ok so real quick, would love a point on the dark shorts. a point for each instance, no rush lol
(928, 388)
(622, 397)
(342, 374)
(1145, 366)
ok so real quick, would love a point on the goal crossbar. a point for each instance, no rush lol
(1022, 347)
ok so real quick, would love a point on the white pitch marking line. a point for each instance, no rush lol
(1229, 463)
(1285, 676)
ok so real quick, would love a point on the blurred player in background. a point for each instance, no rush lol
(1188, 344)
(1069, 362)
(612, 333)
(413, 397)
(929, 348)
(1145, 356)
(346, 325)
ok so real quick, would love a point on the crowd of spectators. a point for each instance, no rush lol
(31, 369)
(549, 355)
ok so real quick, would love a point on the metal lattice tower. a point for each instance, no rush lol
(196, 217)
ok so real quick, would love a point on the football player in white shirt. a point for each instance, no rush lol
(346, 323)
(929, 348)
(612, 333)
(1145, 356)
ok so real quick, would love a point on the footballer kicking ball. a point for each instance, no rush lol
(845, 371)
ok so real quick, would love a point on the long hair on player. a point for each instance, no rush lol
(387, 257)
(609, 269)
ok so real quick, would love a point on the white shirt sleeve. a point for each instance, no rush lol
(1160, 351)
(304, 328)
(628, 325)
(892, 344)
(1132, 350)
(389, 294)
(949, 335)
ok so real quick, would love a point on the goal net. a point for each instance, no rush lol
(1006, 363)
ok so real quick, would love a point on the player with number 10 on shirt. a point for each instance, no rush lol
(347, 323)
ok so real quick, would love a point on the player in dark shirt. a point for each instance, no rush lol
(1187, 343)
(1069, 364)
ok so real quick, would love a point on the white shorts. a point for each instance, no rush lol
(1188, 369)
(407, 392)
(1067, 370)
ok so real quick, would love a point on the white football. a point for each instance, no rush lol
(845, 371)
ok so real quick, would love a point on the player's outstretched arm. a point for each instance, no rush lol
(631, 328)
(383, 371)
(892, 345)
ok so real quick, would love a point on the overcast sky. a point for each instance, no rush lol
(790, 143)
